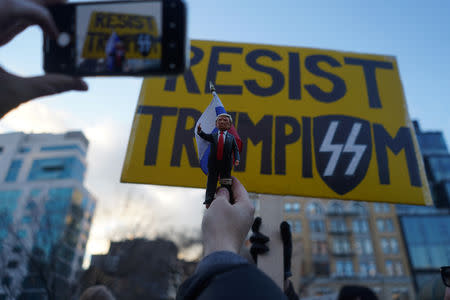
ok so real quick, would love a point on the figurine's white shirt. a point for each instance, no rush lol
(224, 134)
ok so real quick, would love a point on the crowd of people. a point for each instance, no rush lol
(222, 273)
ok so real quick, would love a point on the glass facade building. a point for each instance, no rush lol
(45, 213)
(426, 230)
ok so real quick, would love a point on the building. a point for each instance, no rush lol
(426, 230)
(340, 243)
(46, 213)
(139, 269)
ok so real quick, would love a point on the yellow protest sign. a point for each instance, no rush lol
(315, 123)
(139, 35)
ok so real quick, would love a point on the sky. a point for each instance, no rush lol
(415, 32)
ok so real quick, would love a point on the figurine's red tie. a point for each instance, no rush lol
(220, 147)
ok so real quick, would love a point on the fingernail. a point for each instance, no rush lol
(83, 85)
(222, 192)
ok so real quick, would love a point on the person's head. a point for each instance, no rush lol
(97, 292)
(355, 292)
(445, 274)
(223, 122)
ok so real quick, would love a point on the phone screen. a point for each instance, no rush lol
(119, 37)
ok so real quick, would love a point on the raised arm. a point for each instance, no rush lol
(205, 136)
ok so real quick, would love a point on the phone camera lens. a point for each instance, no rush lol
(63, 39)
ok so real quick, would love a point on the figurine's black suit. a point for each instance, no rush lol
(216, 167)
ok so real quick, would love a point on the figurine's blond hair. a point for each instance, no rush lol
(224, 114)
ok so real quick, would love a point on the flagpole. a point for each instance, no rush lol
(212, 89)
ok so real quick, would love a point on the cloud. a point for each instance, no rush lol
(35, 117)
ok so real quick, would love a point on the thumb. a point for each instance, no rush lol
(51, 84)
(223, 194)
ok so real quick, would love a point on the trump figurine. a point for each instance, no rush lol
(223, 150)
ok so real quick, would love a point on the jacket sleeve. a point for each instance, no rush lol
(236, 150)
(225, 275)
(205, 136)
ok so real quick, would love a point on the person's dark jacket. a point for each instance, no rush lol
(224, 275)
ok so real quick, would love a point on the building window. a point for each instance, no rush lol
(399, 269)
(428, 240)
(297, 226)
(360, 226)
(382, 207)
(432, 143)
(344, 268)
(314, 208)
(8, 204)
(316, 226)
(6, 281)
(64, 148)
(385, 225)
(363, 269)
(12, 264)
(21, 234)
(336, 208)
(439, 167)
(363, 246)
(13, 171)
(380, 225)
(57, 168)
(321, 268)
(389, 225)
(287, 207)
(24, 149)
(394, 245)
(319, 248)
(338, 225)
(359, 208)
(292, 207)
(368, 249)
(389, 268)
(372, 269)
(341, 246)
(385, 246)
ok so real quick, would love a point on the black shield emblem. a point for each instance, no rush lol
(144, 43)
(343, 148)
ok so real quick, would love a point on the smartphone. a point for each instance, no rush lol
(119, 38)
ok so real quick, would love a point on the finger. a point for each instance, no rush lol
(51, 84)
(240, 193)
(222, 195)
(37, 14)
(259, 238)
(259, 249)
(12, 31)
(286, 236)
(256, 224)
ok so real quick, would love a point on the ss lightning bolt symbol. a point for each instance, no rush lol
(337, 149)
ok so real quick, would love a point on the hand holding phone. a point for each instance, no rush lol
(16, 16)
(120, 38)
